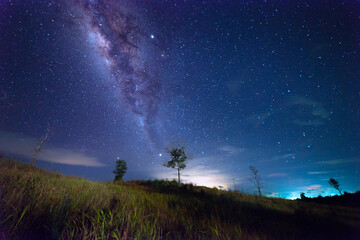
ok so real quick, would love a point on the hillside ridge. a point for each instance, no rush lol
(38, 204)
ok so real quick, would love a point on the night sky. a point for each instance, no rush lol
(273, 84)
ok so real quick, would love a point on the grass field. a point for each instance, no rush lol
(36, 204)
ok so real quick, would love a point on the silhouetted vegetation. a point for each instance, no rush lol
(302, 196)
(256, 179)
(335, 184)
(178, 160)
(120, 169)
(39, 144)
(36, 204)
(346, 199)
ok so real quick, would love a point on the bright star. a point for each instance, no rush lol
(152, 36)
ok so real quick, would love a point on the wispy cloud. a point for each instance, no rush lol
(280, 157)
(339, 161)
(24, 146)
(280, 174)
(284, 156)
(317, 173)
(318, 112)
(274, 194)
(313, 187)
(231, 150)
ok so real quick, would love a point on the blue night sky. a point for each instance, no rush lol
(273, 84)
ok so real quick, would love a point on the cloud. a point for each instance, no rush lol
(231, 150)
(280, 157)
(24, 146)
(274, 194)
(317, 112)
(313, 187)
(69, 157)
(339, 161)
(320, 112)
(317, 173)
(277, 175)
(289, 155)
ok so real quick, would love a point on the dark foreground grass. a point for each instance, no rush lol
(36, 204)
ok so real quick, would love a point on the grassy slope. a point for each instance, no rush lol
(35, 204)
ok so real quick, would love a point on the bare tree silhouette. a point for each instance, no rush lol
(39, 144)
(255, 178)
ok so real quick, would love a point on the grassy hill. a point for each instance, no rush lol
(36, 204)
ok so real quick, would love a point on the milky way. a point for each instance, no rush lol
(121, 43)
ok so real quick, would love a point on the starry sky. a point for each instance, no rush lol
(273, 84)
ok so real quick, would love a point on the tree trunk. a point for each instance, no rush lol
(259, 191)
(179, 176)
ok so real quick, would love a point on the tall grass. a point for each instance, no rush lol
(36, 204)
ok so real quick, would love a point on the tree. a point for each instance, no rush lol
(39, 144)
(178, 160)
(255, 178)
(335, 184)
(302, 196)
(120, 170)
